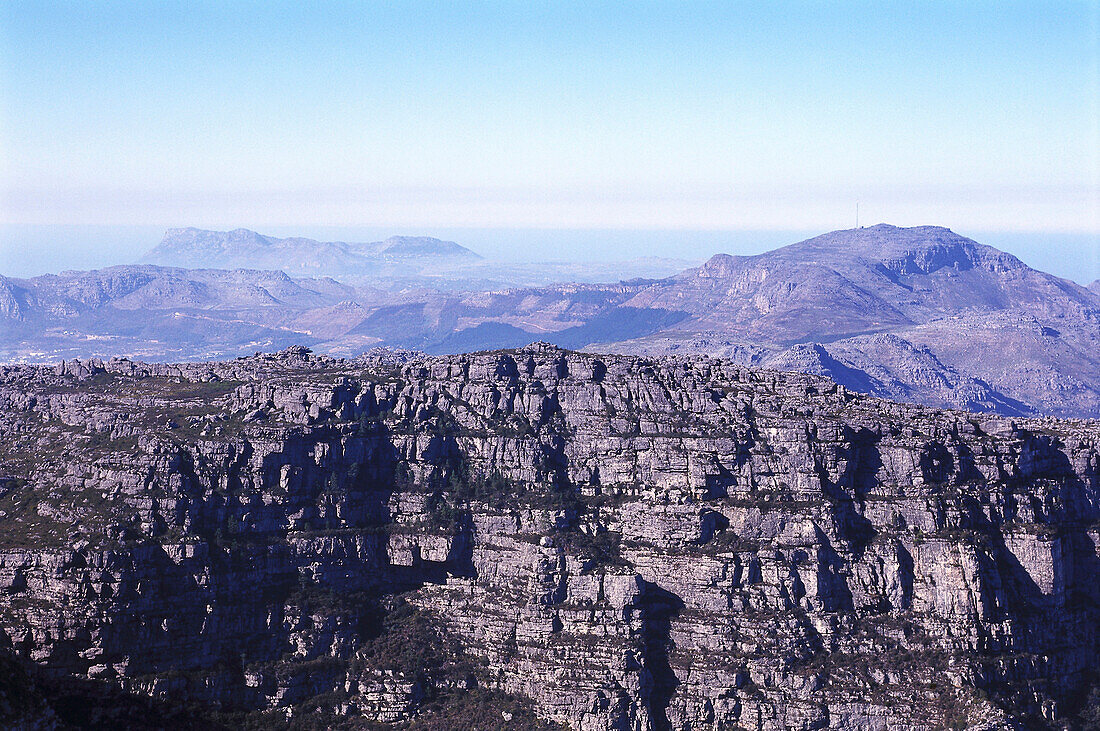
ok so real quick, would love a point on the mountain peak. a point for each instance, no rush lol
(205, 232)
(423, 246)
(719, 265)
(901, 250)
(870, 238)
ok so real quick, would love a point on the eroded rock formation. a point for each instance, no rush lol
(602, 542)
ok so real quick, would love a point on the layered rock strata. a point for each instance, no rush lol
(604, 542)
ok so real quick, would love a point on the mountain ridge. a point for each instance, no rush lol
(933, 289)
(243, 248)
(396, 263)
(913, 314)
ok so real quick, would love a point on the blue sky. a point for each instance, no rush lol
(669, 115)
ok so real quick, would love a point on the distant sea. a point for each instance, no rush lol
(28, 250)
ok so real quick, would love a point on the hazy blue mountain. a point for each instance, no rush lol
(395, 264)
(410, 247)
(196, 248)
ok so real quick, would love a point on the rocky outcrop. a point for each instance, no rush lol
(601, 542)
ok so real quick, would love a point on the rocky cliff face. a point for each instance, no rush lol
(599, 542)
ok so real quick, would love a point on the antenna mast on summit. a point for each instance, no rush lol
(857, 214)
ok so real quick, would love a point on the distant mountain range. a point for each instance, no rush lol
(399, 262)
(916, 314)
(243, 249)
(158, 312)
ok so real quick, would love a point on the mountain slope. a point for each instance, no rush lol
(159, 312)
(860, 281)
(973, 327)
(914, 314)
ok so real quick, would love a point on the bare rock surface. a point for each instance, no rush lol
(599, 542)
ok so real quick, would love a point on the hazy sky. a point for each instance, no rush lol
(668, 115)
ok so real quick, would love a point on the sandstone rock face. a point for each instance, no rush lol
(629, 543)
